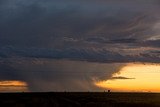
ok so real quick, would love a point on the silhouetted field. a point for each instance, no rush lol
(80, 99)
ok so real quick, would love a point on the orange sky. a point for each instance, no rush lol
(141, 78)
(13, 86)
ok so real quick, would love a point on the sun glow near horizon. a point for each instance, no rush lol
(13, 86)
(134, 78)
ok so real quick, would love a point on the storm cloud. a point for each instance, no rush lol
(41, 39)
(57, 75)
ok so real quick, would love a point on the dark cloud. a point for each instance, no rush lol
(40, 24)
(151, 43)
(130, 40)
(113, 78)
(50, 75)
(112, 41)
(95, 31)
(84, 54)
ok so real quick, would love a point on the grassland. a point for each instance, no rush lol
(80, 99)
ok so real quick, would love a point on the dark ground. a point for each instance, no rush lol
(81, 99)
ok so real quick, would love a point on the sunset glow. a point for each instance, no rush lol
(13, 86)
(134, 78)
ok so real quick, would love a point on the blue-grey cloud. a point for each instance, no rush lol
(111, 41)
(92, 31)
(84, 54)
(151, 43)
(56, 75)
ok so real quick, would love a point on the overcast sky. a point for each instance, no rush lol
(69, 44)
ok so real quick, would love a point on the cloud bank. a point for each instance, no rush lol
(57, 75)
(50, 34)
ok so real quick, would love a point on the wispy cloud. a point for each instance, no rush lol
(120, 77)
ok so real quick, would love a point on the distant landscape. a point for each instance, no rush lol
(80, 99)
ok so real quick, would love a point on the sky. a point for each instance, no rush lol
(78, 45)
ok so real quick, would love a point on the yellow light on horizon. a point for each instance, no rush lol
(137, 77)
(13, 86)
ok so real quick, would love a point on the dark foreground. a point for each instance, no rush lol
(88, 99)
